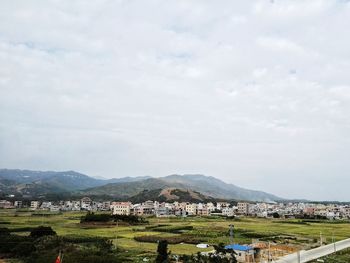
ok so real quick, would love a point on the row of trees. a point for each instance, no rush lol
(91, 217)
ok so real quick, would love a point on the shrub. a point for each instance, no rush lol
(131, 219)
(41, 231)
(92, 217)
(23, 249)
(4, 231)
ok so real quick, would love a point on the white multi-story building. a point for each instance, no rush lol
(18, 204)
(85, 203)
(243, 208)
(45, 205)
(34, 205)
(228, 211)
(76, 206)
(222, 205)
(55, 208)
(121, 208)
(5, 204)
(210, 207)
(191, 209)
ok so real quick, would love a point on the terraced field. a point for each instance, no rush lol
(182, 233)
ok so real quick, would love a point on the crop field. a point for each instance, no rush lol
(182, 233)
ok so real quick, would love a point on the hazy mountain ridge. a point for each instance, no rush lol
(132, 188)
(127, 179)
(206, 185)
(34, 183)
(214, 187)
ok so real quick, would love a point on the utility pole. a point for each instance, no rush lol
(231, 233)
(321, 241)
(116, 237)
(333, 241)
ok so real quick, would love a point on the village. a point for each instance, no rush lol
(167, 209)
(234, 217)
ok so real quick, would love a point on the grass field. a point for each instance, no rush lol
(207, 230)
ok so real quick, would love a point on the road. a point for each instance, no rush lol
(312, 254)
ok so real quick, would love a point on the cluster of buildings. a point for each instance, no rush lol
(298, 210)
(172, 209)
(264, 210)
(163, 209)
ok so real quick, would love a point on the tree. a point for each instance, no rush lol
(220, 248)
(221, 254)
(162, 251)
(276, 215)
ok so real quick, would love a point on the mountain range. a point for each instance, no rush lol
(171, 187)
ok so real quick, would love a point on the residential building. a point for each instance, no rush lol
(228, 211)
(18, 204)
(243, 253)
(85, 203)
(210, 207)
(6, 204)
(243, 208)
(162, 211)
(121, 208)
(191, 209)
(34, 205)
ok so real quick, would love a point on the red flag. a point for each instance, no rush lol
(58, 259)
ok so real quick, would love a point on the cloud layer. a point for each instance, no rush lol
(256, 93)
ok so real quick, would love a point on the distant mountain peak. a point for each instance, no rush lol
(41, 182)
(206, 185)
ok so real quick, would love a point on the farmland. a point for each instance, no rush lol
(138, 241)
(339, 257)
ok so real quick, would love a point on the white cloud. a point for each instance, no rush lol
(250, 92)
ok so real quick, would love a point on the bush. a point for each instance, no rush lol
(276, 215)
(131, 219)
(4, 231)
(9, 242)
(92, 217)
(23, 249)
(22, 229)
(43, 245)
(41, 231)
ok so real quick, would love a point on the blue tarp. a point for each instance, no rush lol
(238, 247)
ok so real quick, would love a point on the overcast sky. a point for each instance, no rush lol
(256, 93)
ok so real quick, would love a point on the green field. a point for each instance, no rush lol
(339, 257)
(208, 230)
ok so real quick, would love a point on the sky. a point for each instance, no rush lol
(256, 93)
